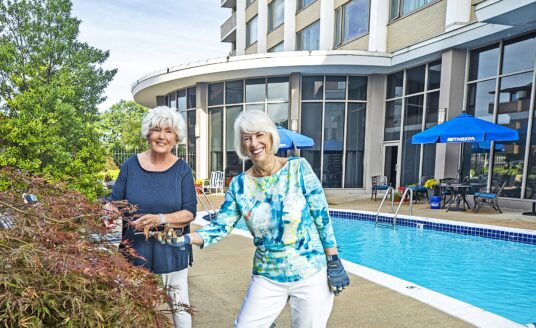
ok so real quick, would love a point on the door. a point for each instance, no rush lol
(390, 168)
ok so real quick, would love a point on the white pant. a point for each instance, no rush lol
(310, 302)
(178, 280)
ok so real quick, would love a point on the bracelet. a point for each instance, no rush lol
(162, 218)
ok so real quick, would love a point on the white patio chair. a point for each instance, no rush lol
(215, 183)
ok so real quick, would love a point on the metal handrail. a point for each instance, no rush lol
(200, 190)
(389, 191)
(400, 204)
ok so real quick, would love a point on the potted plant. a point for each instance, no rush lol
(397, 196)
(433, 186)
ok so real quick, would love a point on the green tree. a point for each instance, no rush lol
(121, 126)
(50, 86)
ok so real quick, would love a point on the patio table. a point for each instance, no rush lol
(459, 196)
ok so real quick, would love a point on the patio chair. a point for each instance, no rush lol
(420, 189)
(379, 182)
(215, 183)
(491, 199)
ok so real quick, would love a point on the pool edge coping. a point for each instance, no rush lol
(452, 306)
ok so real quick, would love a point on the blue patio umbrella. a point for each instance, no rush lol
(485, 146)
(291, 140)
(465, 128)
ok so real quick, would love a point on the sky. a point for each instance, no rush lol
(148, 35)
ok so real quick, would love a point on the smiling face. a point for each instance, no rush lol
(162, 139)
(257, 146)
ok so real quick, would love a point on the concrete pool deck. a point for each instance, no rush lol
(220, 274)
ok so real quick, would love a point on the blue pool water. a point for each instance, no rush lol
(496, 275)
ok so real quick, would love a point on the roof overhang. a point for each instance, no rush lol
(516, 13)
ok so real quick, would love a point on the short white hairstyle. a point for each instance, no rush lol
(253, 121)
(161, 116)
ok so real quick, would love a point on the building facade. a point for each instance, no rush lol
(361, 77)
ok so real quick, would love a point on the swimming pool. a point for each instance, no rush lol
(496, 275)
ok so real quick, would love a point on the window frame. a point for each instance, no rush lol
(271, 11)
(248, 33)
(339, 24)
(399, 10)
(298, 46)
(300, 6)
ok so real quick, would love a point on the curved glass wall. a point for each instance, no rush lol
(501, 90)
(226, 100)
(184, 100)
(333, 112)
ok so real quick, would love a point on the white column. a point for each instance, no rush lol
(262, 26)
(201, 132)
(240, 27)
(379, 17)
(327, 24)
(458, 14)
(289, 29)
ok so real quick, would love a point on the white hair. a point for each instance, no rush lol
(253, 121)
(161, 116)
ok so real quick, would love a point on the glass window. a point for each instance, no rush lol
(255, 90)
(251, 31)
(278, 113)
(411, 154)
(311, 126)
(513, 112)
(234, 92)
(530, 191)
(351, 20)
(395, 84)
(312, 87)
(393, 111)
(181, 99)
(434, 75)
(248, 2)
(403, 7)
(429, 150)
(357, 88)
(415, 79)
(172, 98)
(191, 98)
(395, 9)
(355, 145)
(216, 138)
(278, 47)
(309, 37)
(234, 164)
(480, 99)
(255, 107)
(333, 145)
(519, 55)
(483, 63)
(276, 14)
(215, 94)
(191, 138)
(336, 87)
(278, 89)
(303, 3)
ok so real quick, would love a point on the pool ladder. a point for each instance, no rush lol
(199, 190)
(391, 191)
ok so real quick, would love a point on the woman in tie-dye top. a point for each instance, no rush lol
(285, 209)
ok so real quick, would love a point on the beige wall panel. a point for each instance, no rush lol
(339, 3)
(251, 11)
(252, 49)
(419, 26)
(357, 44)
(472, 17)
(275, 36)
(308, 16)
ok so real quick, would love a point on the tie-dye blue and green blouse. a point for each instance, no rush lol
(287, 214)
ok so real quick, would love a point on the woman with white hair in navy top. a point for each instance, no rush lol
(162, 187)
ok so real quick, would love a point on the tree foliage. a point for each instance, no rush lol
(121, 126)
(50, 86)
(54, 271)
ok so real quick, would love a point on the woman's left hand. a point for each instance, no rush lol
(146, 221)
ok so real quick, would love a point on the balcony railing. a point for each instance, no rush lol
(228, 27)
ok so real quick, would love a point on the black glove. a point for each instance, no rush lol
(337, 277)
